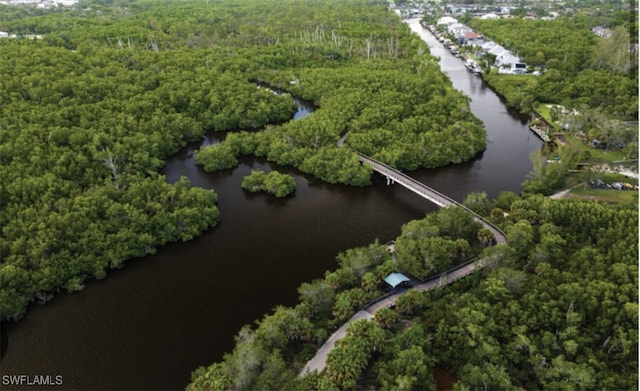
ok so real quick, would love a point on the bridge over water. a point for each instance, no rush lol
(424, 191)
(319, 361)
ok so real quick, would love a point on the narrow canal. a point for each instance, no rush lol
(150, 324)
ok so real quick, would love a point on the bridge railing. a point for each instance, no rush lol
(393, 172)
(426, 281)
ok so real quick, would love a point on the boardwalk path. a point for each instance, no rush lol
(319, 361)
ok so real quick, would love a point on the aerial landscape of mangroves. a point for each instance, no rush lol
(91, 110)
(96, 96)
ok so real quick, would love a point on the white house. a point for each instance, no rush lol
(447, 20)
(507, 59)
(497, 50)
(601, 32)
(46, 5)
(487, 46)
(490, 16)
(458, 30)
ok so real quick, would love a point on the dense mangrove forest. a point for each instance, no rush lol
(94, 98)
(556, 309)
(110, 89)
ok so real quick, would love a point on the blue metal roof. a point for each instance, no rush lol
(395, 279)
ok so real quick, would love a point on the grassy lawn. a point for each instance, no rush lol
(513, 80)
(610, 177)
(606, 195)
(516, 79)
(545, 112)
(576, 183)
(575, 178)
(602, 155)
(597, 155)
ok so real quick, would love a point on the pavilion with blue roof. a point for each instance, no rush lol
(396, 279)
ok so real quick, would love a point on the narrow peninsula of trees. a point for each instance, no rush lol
(103, 92)
(557, 309)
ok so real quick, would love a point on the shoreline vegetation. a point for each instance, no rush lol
(585, 100)
(557, 309)
(580, 69)
(595, 79)
(91, 110)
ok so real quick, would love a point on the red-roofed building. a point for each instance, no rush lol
(472, 35)
(472, 38)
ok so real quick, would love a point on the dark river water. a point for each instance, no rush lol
(150, 324)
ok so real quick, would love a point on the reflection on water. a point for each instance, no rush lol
(150, 324)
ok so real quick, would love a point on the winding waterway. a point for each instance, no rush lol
(150, 324)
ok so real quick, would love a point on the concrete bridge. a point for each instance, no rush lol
(319, 361)
(424, 191)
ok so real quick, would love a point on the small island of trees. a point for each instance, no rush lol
(275, 183)
(91, 111)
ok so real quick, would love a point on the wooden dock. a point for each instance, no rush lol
(540, 133)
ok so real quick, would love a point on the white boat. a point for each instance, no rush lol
(470, 64)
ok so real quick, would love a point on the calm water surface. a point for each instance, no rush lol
(150, 324)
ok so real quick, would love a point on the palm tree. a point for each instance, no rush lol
(485, 236)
